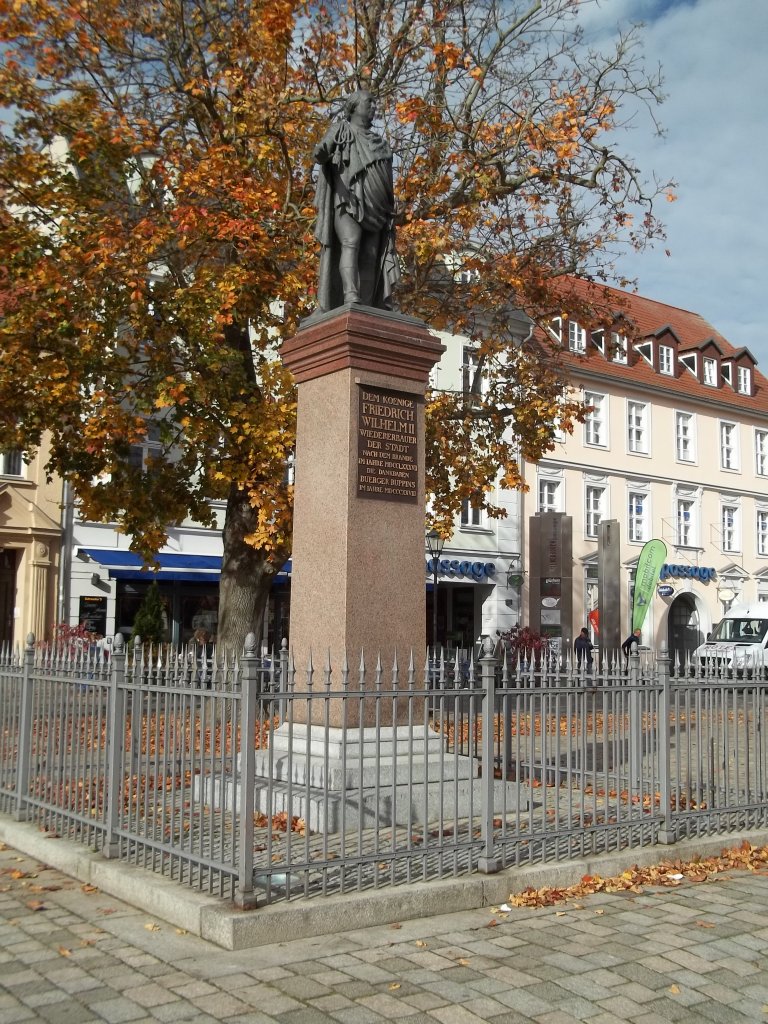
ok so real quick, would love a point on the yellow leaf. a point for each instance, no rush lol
(152, 927)
(394, 985)
(675, 990)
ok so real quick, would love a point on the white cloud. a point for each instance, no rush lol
(716, 148)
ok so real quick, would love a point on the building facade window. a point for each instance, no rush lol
(11, 463)
(685, 437)
(577, 337)
(619, 348)
(686, 522)
(666, 360)
(594, 511)
(637, 428)
(550, 496)
(729, 527)
(744, 380)
(761, 452)
(762, 531)
(596, 423)
(729, 446)
(710, 372)
(471, 516)
(472, 377)
(638, 516)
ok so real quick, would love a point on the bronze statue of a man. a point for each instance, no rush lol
(355, 211)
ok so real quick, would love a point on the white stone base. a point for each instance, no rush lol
(339, 780)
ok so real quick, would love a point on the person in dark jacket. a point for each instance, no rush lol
(582, 645)
(626, 647)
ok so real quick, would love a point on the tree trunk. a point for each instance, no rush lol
(246, 577)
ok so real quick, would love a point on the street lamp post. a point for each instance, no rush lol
(435, 545)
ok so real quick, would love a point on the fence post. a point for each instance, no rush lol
(667, 833)
(245, 897)
(635, 725)
(25, 731)
(113, 785)
(487, 863)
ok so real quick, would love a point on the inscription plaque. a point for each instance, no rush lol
(387, 460)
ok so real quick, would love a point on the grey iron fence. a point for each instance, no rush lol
(258, 781)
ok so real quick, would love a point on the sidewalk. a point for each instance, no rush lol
(70, 954)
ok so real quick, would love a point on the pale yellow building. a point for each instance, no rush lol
(30, 546)
(675, 447)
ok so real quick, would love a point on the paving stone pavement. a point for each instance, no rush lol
(70, 954)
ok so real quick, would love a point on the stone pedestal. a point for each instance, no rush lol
(358, 581)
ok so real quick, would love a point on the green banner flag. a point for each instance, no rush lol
(652, 557)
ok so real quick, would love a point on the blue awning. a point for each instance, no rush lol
(173, 566)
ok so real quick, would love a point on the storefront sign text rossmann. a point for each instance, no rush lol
(696, 572)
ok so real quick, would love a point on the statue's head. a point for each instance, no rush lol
(361, 105)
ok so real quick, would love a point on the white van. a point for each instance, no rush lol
(739, 642)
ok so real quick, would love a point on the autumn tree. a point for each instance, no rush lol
(156, 231)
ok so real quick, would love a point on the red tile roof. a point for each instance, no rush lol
(649, 318)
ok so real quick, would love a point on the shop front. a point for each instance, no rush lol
(464, 589)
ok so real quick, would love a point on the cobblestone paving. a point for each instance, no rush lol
(698, 953)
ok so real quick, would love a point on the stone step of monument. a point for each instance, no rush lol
(324, 810)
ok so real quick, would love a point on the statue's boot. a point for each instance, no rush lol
(349, 273)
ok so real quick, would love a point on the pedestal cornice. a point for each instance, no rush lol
(359, 337)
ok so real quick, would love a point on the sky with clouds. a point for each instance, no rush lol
(713, 56)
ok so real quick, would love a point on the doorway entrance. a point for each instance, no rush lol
(683, 629)
(8, 564)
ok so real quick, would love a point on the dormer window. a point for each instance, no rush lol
(666, 360)
(556, 329)
(710, 372)
(598, 340)
(619, 348)
(577, 337)
(744, 380)
(646, 351)
(727, 371)
(690, 362)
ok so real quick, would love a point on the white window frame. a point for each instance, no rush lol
(710, 372)
(596, 421)
(637, 523)
(638, 440)
(667, 360)
(549, 494)
(555, 328)
(761, 452)
(470, 360)
(595, 508)
(685, 439)
(148, 449)
(761, 531)
(471, 518)
(619, 348)
(686, 520)
(577, 337)
(728, 433)
(11, 463)
(744, 380)
(730, 532)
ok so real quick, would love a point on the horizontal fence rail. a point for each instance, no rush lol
(258, 780)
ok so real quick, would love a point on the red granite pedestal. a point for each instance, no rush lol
(358, 582)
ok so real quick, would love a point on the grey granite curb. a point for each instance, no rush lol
(217, 921)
